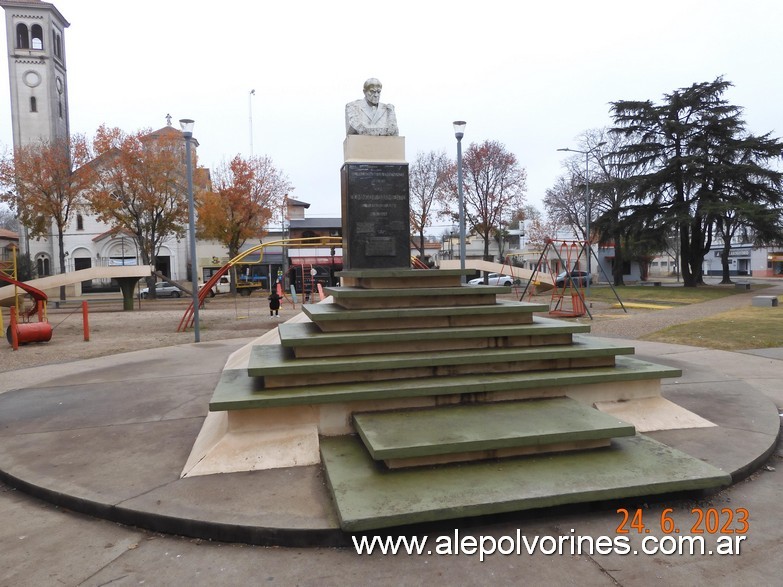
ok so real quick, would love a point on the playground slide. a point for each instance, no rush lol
(35, 293)
(524, 275)
(53, 282)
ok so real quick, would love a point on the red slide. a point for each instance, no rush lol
(36, 294)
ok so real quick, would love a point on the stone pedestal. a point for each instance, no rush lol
(375, 203)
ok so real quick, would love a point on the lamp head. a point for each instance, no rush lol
(459, 129)
(186, 124)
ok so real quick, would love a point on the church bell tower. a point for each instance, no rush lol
(36, 67)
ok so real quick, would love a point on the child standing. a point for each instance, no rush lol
(274, 303)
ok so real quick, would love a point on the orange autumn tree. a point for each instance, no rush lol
(43, 182)
(245, 192)
(141, 187)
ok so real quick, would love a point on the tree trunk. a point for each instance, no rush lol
(617, 266)
(145, 260)
(486, 255)
(61, 244)
(688, 278)
(233, 252)
(724, 263)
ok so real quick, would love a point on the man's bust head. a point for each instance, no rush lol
(372, 91)
(370, 116)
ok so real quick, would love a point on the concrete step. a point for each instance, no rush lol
(335, 318)
(368, 497)
(280, 368)
(308, 340)
(401, 278)
(485, 430)
(411, 297)
(236, 390)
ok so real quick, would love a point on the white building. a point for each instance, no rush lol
(39, 111)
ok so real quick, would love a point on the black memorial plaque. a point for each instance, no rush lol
(376, 217)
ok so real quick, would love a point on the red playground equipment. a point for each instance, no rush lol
(23, 332)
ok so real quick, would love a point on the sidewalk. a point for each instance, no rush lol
(98, 432)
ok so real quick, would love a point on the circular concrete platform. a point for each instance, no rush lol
(109, 437)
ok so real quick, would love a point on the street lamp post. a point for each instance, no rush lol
(588, 211)
(250, 111)
(187, 131)
(459, 132)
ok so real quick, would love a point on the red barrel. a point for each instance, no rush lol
(31, 332)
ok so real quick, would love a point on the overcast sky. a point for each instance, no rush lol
(532, 75)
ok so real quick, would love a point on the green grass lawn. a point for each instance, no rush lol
(744, 328)
(666, 295)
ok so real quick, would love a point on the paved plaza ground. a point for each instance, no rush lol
(46, 545)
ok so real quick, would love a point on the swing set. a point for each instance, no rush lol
(568, 297)
(310, 242)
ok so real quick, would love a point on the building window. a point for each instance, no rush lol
(79, 222)
(60, 106)
(57, 43)
(22, 36)
(37, 37)
(33, 104)
(42, 266)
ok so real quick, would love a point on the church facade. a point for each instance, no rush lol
(35, 33)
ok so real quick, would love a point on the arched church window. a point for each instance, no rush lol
(37, 37)
(22, 36)
(58, 46)
(79, 222)
(33, 104)
(42, 266)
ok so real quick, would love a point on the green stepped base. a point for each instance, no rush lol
(369, 498)
(396, 278)
(333, 317)
(280, 368)
(406, 434)
(237, 391)
(273, 360)
(414, 297)
(308, 340)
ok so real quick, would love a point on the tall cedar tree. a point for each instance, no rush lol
(429, 184)
(494, 188)
(245, 193)
(43, 182)
(750, 202)
(686, 154)
(141, 187)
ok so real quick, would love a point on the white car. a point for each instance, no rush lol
(493, 279)
(163, 289)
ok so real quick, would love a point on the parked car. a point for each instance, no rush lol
(222, 286)
(579, 278)
(493, 279)
(163, 289)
